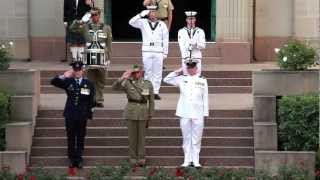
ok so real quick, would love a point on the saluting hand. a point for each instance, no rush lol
(146, 2)
(179, 71)
(126, 74)
(68, 74)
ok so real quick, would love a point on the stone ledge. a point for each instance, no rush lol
(271, 161)
(16, 161)
(19, 136)
(23, 108)
(265, 136)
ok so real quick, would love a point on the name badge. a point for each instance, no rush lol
(85, 91)
(145, 92)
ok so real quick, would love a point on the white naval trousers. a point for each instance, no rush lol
(184, 68)
(192, 130)
(152, 63)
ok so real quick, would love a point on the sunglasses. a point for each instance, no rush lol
(94, 14)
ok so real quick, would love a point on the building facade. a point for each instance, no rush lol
(36, 26)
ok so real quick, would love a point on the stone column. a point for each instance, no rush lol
(100, 4)
(234, 20)
(14, 27)
(306, 21)
(274, 26)
(47, 30)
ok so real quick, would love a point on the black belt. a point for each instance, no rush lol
(163, 19)
(138, 101)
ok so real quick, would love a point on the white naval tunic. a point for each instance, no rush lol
(191, 39)
(191, 108)
(155, 41)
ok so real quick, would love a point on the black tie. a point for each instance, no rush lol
(78, 81)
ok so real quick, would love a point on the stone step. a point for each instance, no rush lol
(62, 161)
(150, 141)
(172, 60)
(105, 113)
(211, 81)
(207, 74)
(164, 89)
(152, 131)
(156, 122)
(150, 151)
(133, 49)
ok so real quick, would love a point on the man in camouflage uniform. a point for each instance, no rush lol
(165, 8)
(97, 74)
(138, 111)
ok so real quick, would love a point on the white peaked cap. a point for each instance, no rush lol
(190, 13)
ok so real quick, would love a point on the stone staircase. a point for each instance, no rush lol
(227, 140)
(228, 135)
(218, 82)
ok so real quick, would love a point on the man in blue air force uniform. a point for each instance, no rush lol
(78, 109)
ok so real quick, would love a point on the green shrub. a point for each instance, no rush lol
(4, 117)
(296, 56)
(5, 57)
(298, 123)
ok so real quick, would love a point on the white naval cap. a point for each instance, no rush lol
(153, 7)
(190, 13)
(191, 62)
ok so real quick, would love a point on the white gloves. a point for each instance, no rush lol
(165, 56)
(193, 43)
(86, 17)
(144, 13)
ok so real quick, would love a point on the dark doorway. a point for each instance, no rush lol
(203, 8)
(123, 11)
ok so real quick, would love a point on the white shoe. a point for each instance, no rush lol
(197, 165)
(185, 164)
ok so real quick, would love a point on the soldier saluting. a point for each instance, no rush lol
(192, 108)
(138, 111)
(78, 109)
(155, 42)
(96, 74)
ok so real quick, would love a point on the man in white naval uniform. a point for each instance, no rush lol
(192, 107)
(155, 39)
(191, 40)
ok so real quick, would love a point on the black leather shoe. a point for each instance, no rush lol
(157, 97)
(71, 164)
(80, 165)
(100, 105)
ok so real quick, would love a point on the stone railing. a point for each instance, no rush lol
(267, 86)
(24, 88)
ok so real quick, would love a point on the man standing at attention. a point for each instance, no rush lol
(138, 112)
(192, 108)
(191, 40)
(155, 41)
(78, 109)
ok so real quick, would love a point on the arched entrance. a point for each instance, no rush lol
(118, 14)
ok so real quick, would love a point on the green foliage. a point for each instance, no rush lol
(5, 57)
(4, 118)
(298, 123)
(37, 174)
(110, 173)
(296, 56)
